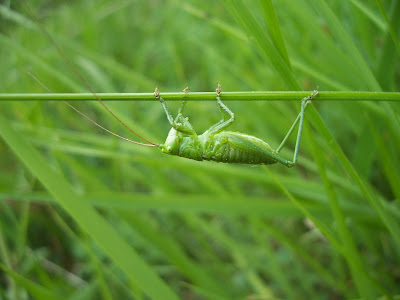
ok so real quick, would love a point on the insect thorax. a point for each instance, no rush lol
(184, 145)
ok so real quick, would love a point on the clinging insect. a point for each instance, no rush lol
(215, 144)
(219, 145)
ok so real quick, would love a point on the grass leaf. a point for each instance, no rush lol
(107, 238)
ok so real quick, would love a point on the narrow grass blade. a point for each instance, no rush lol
(274, 29)
(98, 272)
(389, 160)
(6, 42)
(388, 57)
(274, 268)
(92, 222)
(372, 199)
(391, 25)
(176, 255)
(322, 227)
(217, 22)
(303, 254)
(350, 251)
(347, 43)
(244, 17)
(6, 259)
(370, 14)
(238, 255)
(36, 290)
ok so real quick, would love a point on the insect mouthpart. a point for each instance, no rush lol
(165, 149)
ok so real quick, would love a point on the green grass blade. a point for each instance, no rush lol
(36, 290)
(370, 14)
(303, 254)
(322, 227)
(5, 258)
(176, 255)
(241, 260)
(388, 59)
(274, 29)
(6, 42)
(350, 251)
(391, 25)
(274, 268)
(347, 43)
(96, 226)
(104, 288)
(372, 199)
(227, 205)
(243, 16)
(389, 160)
(214, 21)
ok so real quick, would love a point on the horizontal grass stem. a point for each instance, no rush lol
(206, 96)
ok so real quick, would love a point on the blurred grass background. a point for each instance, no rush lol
(86, 216)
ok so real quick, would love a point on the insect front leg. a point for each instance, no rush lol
(224, 123)
(180, 123)
(164, 105)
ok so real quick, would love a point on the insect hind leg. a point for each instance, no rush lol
(300, 118)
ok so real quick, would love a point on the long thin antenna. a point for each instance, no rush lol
(89, 119)
(73, 68)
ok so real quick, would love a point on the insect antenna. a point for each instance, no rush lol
(89, 119)
(74, 69)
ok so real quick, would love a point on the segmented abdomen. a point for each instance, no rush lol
(234, 147)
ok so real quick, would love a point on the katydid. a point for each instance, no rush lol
(215, 143)
(225, 146)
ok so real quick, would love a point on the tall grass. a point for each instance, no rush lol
(84, 215)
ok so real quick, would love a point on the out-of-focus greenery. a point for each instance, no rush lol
(84, 215)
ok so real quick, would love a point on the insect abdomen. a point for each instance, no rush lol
(234, 147)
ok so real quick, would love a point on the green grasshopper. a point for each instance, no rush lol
(214, 144)
(219, 145)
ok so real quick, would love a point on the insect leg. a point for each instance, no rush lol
(300, 118)
(167, 111)
(180, 110)
(179, 124)
(222, 124)
(288, 134)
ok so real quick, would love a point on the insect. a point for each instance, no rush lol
(219, 145)
(215, 144)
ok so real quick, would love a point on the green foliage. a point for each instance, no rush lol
(84, 215)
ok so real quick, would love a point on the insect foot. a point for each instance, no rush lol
(157, 93)
(308, 99)
(218, 89)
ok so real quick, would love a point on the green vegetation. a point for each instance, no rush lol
(84, 215)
